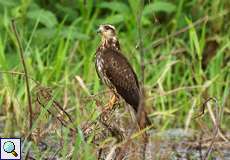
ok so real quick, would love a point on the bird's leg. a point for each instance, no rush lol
(111, 103)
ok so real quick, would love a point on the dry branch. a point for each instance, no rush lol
(21, 54)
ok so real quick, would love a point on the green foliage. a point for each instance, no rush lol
(44, 17)
(159, 7)
(59, 39)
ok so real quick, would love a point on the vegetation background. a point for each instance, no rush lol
(182, 69)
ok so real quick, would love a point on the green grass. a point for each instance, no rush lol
(59, 39)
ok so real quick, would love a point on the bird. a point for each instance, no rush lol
(114, 69)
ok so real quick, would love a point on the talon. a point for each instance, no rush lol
(111, 103)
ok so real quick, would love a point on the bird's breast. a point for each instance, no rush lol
(101, 68)
(100, 63)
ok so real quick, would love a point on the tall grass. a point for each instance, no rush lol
(60, 42)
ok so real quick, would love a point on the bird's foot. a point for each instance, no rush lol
(111, 104)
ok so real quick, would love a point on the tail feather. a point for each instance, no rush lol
(142, 118)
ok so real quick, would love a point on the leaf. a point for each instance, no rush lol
(194, 38)
(72, 33)
(45, 33)
(71, 13)
(45, 17)
(159, 7)
(114, 6)
(114, 19)
(145, 21)
(9, 3)
(135, 6)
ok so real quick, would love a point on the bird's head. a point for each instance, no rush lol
(107, 31)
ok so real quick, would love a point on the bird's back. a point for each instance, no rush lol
(114, 70)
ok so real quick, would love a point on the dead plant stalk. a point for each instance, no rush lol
(21, 54)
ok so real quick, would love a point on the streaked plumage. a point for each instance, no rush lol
(114, 69)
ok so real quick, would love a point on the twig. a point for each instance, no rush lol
(141, 114)
(62, 121)
(20, 74)
(215, 119)
(63, 110)
(203, 108)
(185, 29)
(26, 74)
(44, 93)
(141, 47)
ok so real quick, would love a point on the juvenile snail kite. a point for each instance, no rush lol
(114, 69)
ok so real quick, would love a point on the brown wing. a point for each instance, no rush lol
(120, 73)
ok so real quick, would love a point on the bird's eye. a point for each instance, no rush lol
(107, 27)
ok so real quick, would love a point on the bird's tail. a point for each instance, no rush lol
(143, 119)
(142, 116)
(147, 120)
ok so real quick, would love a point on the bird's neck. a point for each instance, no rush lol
(111, 42)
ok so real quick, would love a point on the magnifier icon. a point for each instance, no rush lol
(9, 147)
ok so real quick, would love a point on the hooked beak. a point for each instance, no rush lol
(99, 30)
